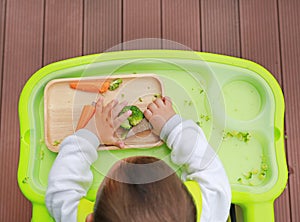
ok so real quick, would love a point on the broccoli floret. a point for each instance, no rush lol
(135, 118)
(126, 125)
(115, 84)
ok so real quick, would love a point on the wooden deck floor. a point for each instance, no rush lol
(34, 33)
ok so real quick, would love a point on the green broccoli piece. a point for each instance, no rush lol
(115, 84)
(25, 180)
(56, 142)
(238, 135)
(248, 175)
(135, 118)
(262, 175)
(126, 125)
(243, 136)
(264, 167)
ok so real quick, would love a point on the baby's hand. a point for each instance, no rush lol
(107, 121)
(158, 113)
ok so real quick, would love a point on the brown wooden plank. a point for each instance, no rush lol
(22, 57)
(260, 43)
(282, 207)
(260, 34)
(2, 22)
(63, 30)
(141, 19)
(290, 48)
(181, 24)
(220, 27)
(102, 26)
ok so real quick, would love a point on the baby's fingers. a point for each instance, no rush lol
(116, 142)
(120, 144)
(147, 114)
(107, 110)
(159, 102)
(99, 105)
(167, 100)
(117, 109)
(120, 119)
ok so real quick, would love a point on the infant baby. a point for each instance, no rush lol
(140, 188)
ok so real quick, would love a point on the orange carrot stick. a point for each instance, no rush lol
(104, 87)
(86, 114)
(85, 86)
(96, 87)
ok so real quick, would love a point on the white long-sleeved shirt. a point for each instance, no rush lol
(190, 148)
(71, 177)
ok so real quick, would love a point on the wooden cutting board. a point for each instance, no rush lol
(63, 105)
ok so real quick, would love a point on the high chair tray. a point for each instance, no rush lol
(238, 104)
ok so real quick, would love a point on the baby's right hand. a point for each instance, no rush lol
(108, 120)
(158, 113)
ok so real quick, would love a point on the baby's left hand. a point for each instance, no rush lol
(158, 113)
(107, 121)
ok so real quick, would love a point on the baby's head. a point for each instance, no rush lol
(143, 189)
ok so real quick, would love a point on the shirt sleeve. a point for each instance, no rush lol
(70, 176)
(191, 150)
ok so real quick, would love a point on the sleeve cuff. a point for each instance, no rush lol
(88, 135)
(169, 126)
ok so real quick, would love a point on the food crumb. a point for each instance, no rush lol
(242, 136)
(248, 175)
(56, 142)
(262, 176)
(199, 123)
(264, 166)
(157, 95)
(205, 117)
(188, 102)
(25, 180)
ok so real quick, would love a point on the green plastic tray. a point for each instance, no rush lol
(237, 102)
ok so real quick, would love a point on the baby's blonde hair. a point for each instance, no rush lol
(124, 197)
